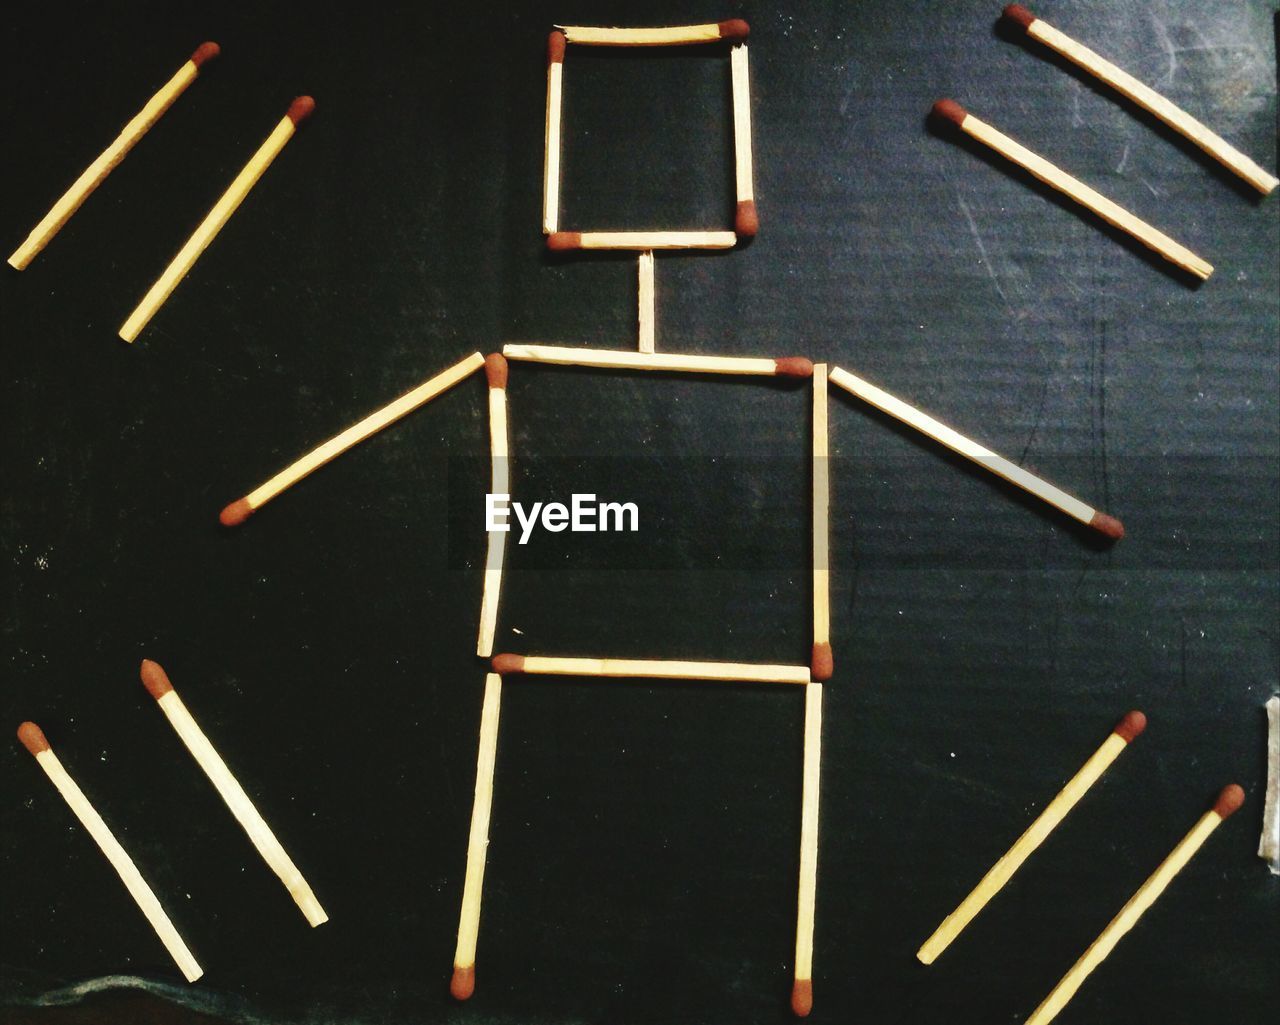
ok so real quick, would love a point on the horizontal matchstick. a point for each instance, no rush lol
(1106, 525)
(1053, 176)
(109, 158)
(650, 669)
(1144, 96)
(675, 35)
(242, 508)
(564, 241)
(33, 739)
(617, 359)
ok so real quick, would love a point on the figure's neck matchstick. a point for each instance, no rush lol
(746, 222)
(495, 368)
(651, 669)
(96, 173)
(33, 739)
(821, 663)
(551, 155)
(647, 293)
(620, 359)
(802, 986)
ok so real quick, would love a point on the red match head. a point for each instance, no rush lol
(205, 52)
(822, 662)
(1130, 726)
(734, 28)
(561, 241)
(508, 664)
(1019, 15)
(463, 983)
(1229, 801)
(236, 513)
(155, 679)
(950, 110)
(802, 997)
(555, 47)
(745, 221)
(300, 109)
(1108, 526)
(793, 366)
(495, 369)
(32, 738)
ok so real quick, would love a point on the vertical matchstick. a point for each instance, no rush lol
(463, 983)
(298, 111)
(495, 369)
(821, 663)
(746, 223)
(33, 740)
(1002, 871)
(1227, 803)
(158, 686)
(551, 158)
(648, 310)
(802, 987)
(96, 173)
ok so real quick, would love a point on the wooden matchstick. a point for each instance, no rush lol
(298, 111)
(34, 740)
(1227, 803)
(677, 35)
(1055, 177)
(1055, 811)
(650, 669)
(551, 157)
(648, 311)
(802, 986)
(495, 368)
(1144, 96)
(96, 173)
(463, 983)
(158, 686)
(1106, 525)
(821, 662)
(242, 508)
(616, 359)
(564, 241)
(746, 223)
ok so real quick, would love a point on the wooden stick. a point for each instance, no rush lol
(650, 669)
(158, 686)
(802, 987)
(746, 222)
(495, 368)
(618, 359)
(1145, 97)
(821, 662)
(1269, 841)
(1107, 525)
(564, 241)
(463, 983)
(648, 313)
(677, 35)
(1002, 871)
(96, 173)
(299, 110)
(34, 740)
(1057, 178)
(242, 508)
(551, 157)
(1228, 801)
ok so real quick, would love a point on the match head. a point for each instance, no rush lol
(205, 52)
(300, 109)
(745, 221)
(495, 369)
(155, 679)
(950, 110)
(503, 664)
(822, 662)
(562, 241)
(1019, 15)
(1130, 726)
(802, 997)
(1108, 526)
(463, 983)
(734, 28)
(1228, 802)
(555, 47)
(32, 738)
(236, 513)
(793, 366)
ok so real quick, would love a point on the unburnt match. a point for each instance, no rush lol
(675, 35)
(821, 663)
(616, 359)
(551, 156)
(33, 739)
(1106, 525)
(1055, 811)
(1227, 804)
(1144, 96)
(242, 508)
(564, 241)
(495, 368)
(650, 669)
(802, 986)
(298, 111)
(746, 222)
(156, 680)
(1055, 177)
(96, 173)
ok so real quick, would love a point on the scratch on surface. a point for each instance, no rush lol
(982, 249)
(1171, 51)
(1124, 160)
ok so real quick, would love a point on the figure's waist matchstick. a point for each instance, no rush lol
(618, 359)
(650, 669)
(564, 241)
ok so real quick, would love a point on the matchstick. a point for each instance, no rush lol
(298, 111)
(495, 368)
(551, 158)
(563, 241)
(745, 221)
(1055, 177)
(34, 740)
(242, 508)
(156, 680)
(1269, 841)
(1106, 525)
(463, 983)
(1055, 811)
(617, 359)
(1144, 96)
(96, 173)
(650, 669)
(1228, 802)
(678, 35)
(648, 311)
(802, 987)
(821, 662)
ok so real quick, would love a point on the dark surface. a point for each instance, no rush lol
(644, 844)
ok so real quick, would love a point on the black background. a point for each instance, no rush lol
(645, 837)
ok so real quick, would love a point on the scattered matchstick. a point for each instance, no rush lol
(1144, 96)
(34, 740)
(242, 508)
(1055, 177)
(677, 35)
(1269, 842)
(1228, 802)
(551, 157)
(746, 223)
(96, 173)
(495, 368)
(156, 680)
(821, 663)
(564, 241)
(617, 359)
(802, 987)
(648, 310)
(463, 983)
(1002, 871)
(1106, 525)
(650, 669)
(298, 111)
